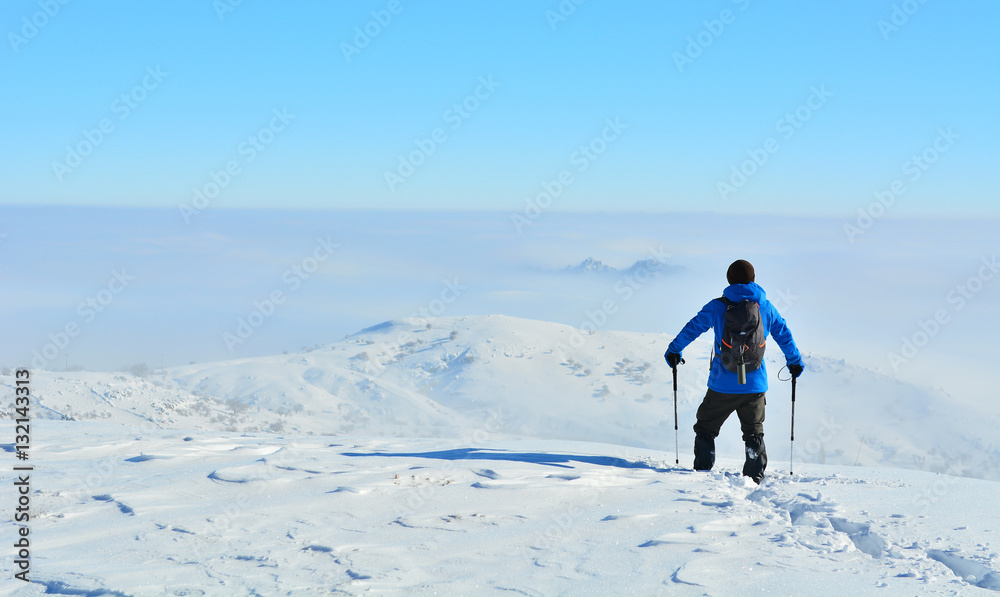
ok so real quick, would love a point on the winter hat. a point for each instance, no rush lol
(740, 272)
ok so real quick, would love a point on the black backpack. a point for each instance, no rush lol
(742, 337)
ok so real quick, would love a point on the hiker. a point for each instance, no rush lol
(742, 319)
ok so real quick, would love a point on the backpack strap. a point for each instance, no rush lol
(718, 347)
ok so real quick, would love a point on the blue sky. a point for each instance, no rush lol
(874, 83)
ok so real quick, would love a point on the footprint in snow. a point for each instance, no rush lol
(861, 536)
(970, 571)
(806, 510)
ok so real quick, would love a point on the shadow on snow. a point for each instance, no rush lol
(547, 459)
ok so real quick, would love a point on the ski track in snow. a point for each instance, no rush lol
(244, 514)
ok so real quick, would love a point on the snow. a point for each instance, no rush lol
(221, 513)
(490, 455)
(518, 439)
(500, 376)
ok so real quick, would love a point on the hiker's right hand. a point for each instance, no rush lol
(795, 370)
(673, 359)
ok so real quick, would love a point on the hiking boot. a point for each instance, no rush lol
(756, 458)
(704, 452)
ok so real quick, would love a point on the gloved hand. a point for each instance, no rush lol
(795, 370)
(673, 359)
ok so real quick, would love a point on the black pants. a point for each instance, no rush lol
(716, 408)
(713, 412)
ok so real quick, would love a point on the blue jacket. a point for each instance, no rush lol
(713, 315)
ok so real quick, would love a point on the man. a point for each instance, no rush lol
(737, 379)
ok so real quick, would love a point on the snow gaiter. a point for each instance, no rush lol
(704, 452)
(756, 458)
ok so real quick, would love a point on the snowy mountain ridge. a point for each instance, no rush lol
(503, 377)
(489, 455)
(649, 266)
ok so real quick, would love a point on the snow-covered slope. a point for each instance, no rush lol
(502, 377)
(175, 513)
(490, 455)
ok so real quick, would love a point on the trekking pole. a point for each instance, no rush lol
(677, 453)
(792, 451)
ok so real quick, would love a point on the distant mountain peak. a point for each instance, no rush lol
(596, 266)
(590, 265)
